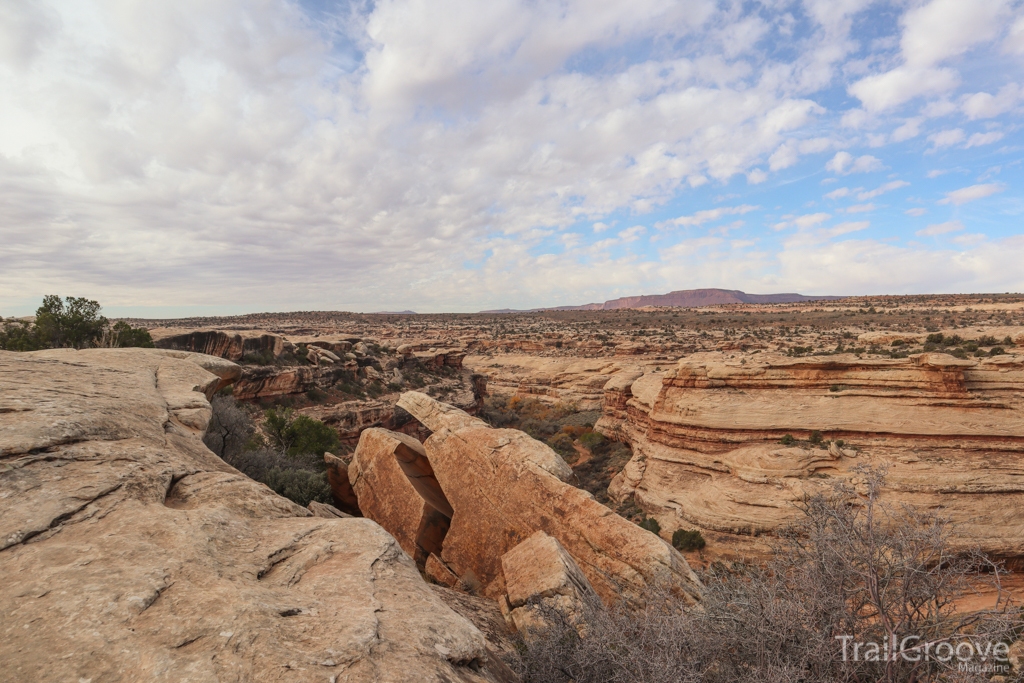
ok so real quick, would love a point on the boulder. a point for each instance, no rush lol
(545, 584)
(504, 486)
(387, 496)
(341, 488)
(131, 552)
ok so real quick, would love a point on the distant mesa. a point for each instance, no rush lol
(684, 298)
(394, 313)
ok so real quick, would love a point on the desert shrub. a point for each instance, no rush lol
(936, 338)
(123, 335)
(688, 540)
(562, 444)
(787, 440)
(74, 322)
(264, 357)
(852, 568)
(898, 342)
(815, 437)
(301, 486)
(18, 335)
(996, 351)
(539, 429)
(651, 524)
(986, 340)
(592, 440)
(316, 395)
(1008, 341)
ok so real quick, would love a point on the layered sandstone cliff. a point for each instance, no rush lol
(130, 552)
(709, 453)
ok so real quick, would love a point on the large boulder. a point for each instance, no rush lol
(504, 486)
(131, 552)
(388, 496)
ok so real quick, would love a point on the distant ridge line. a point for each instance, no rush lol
(684, 298)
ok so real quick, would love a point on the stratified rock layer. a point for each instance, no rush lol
(707, 452)
(130, 552)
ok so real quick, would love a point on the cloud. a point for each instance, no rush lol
(916, 211)
(940, 229)
(882, 189)
(946, 138)
(860, 208)
(843, 163)
(971, 193)
(982, 105)
(845, 228)
(979, 139)
(632, 234)
(802, 222)
(931, 33)
(702, 217)
(838, 193)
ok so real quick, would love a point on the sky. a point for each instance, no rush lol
(202, 157)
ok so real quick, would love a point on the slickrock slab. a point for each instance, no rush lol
(707, 451)
(504, 486)
(131, 553)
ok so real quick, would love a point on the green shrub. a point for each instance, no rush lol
(651, 524)
(787, 440)
(265, 357)
(816, 437)
(688, 540)
(123, 335)
(562, 444)
(592, 440)
(996, 351)
(987, 340)
(299, 485)
(934, 338)
(18, 335)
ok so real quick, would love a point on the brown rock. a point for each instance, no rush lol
(133, 553)
(439, 572)
(504, 486)
(341, 488)
(387, 496)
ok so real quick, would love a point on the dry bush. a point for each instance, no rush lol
(853, 567)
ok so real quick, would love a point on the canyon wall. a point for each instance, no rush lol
(711, 449)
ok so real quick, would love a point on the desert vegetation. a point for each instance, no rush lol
(73, 322)
(853, 570)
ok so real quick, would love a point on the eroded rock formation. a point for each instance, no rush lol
(502, 487)
(130, 552)
(707, 453)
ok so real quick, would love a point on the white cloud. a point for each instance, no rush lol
(860, 208)
(882, 189)
(848, 227)
(843, 163)
(600, 227)
(838, 193)
(911, 128)
(946, 138)
(971, 193)
(979, 139)
(982, 105)
(702, 217)
(940, 229)
(632, 234)
(916, 211)
(932, 33)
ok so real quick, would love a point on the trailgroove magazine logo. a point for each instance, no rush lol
(975, 656)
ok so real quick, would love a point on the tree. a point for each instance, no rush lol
(123, 335)
(18, 335)
(75, 322)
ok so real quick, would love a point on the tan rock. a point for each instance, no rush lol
(387, 496)
(706, 451)
(544, 584)
(133, 553)
(439, 572)
(503, 487)
(326, 511)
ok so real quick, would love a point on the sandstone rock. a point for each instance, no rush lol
(222, 344)
(387, 496)
(439, 572)
(131, 552)
(503, 487)
(543, 581)
(341, 488)
(706, 448)
(326, 511)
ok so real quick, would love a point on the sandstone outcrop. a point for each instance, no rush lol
(130, 552)
(707, 452)
(222, 344)
(502, 487)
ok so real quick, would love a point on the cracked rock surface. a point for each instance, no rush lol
(130, 552)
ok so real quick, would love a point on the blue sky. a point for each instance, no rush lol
(221, 156)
